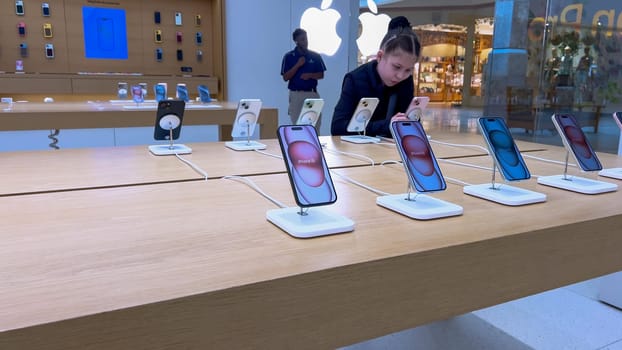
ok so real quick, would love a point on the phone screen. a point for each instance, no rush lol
(575, 139)
(306, 166)
(169, 116)
(414, 149)
(503, 149)
(617, 116)
(45, 9)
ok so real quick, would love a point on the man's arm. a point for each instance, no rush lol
(292, 71)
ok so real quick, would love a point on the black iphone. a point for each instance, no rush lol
(575, 142)
(419, 161)
(169, 116)
(503, 149)
(306, 166)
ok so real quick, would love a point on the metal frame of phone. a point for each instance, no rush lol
(250, 121)
(574, 183)
(354, 121)
(501, 193)
(170, 122)
(310, 112)
(615, 173)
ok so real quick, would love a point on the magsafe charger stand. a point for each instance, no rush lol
(171, 148)
(502, 193)
(246, 145)
(576, 183)
(309, 222)
(419, 206)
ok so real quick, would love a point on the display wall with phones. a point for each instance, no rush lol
(178, 38)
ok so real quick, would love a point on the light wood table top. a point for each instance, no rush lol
(104, 114)
(196, 264)
(28, 172)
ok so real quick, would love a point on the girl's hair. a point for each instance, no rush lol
(401, 38)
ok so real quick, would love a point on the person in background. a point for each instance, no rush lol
(399, 22)
(301, 68)
(388, 77)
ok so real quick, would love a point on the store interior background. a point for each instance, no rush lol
(460, 37)
(457, 38)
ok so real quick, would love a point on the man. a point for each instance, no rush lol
(301, 68)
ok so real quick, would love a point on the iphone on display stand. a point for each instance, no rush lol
(310, 112)
(311, 184)
(47, 30)
(157, 17)
(423, 173)
(157, 35)
(359, 120)
(244, 126)
(19, 7)
(169, 117)
(615, 173)
(158, 54)
(508, 159)
(21, 28)
(49, 50)
(23, 50)
(45, 9)
(577, 144)
(416, 107)
(177, 18)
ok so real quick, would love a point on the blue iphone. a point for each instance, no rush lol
(503, 149)
(414, 149)
(306, 166)
(575, 142)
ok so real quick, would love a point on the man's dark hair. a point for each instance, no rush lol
(298, 32)
(399, 22)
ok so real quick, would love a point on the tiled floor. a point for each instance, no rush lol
(571, 317)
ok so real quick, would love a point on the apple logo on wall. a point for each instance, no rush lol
(374, 28)
(321, 26)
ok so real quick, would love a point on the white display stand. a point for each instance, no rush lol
(247, 145)
(360, 139)
(504, 194)
(165, 150)
(419, 206)
(615, 173)
(313, 222)
(577, 184)
(141, 106)
(172, 122)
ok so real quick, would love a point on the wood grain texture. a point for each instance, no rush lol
(196, 264)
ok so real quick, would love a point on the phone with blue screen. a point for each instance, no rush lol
(421, 167)
(306, 167)
(575, 142)
(503, 149)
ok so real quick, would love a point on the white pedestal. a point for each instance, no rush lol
(316, 222)
(166, 150)
(422, 207)
(505, 194)
(245, 145)
(577, 184)
(615, 173)
(360, 139)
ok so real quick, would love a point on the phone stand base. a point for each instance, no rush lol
(422, 207)
(316, 222)
(615, 173)
(167, 150)
(152, 106)
(577, 184)
(360, 139)
(505, 194)
(245, 145)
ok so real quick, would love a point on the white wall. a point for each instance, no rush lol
(258, 33)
